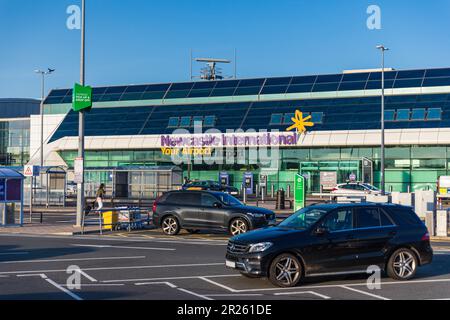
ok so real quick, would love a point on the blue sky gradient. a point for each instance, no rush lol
(148, 41)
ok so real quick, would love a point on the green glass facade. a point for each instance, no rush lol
(14, 142)
(414, 167)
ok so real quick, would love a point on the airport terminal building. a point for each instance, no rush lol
(142, 125)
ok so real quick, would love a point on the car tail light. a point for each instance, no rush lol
(155, 205)
(335, 189)
(426, 237)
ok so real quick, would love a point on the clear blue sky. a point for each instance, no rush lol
(146, 41)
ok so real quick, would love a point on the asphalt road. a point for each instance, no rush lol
(183, 268)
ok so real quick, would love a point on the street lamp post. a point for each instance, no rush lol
(80, 191)
(43, 74)
(383, 178)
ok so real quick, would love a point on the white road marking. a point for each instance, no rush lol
(128, 239)
(172, 278)
(118, 268)
(91, 279)
(218, 284)
(366, 293)
(303, 292)
(235, 295)
(195, 294)
(68, 260)
(70, 293)
(53, 283)
(98, 285)
(121, 247)
(156, 283)
(440, 299)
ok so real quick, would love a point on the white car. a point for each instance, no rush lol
(355, 188)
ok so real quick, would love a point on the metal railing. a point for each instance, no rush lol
(127, 217)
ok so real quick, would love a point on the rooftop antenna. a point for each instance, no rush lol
(211, 71)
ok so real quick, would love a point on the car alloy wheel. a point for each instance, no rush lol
(285, 271)
(238, 226)
(170, 226)
(402, 265)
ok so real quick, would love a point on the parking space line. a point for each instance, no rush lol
(172, 278)
(117, 268)
(70, 293)
(195, 294)
(303, 292)
(121, 247)
(69, 260)
(156, 283)
(53, 283)
(366, 293)
(235, 295)
(218, 284)
(92, 279)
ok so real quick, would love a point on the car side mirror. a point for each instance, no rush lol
(321, 231)
(217, 205)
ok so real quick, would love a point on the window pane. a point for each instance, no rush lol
(339, 220)
(276, 118)
(368, 218)
(389, 115)
(434, 114)
(418, 114)
(173, 122)
(185, 122)
(317, 117)
(403, 115)
(210, 121)
(288, 117)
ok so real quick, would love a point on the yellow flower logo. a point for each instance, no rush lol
(300, 123)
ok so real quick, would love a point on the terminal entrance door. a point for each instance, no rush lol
(344, 169)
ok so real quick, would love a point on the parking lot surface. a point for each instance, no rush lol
(189, 267)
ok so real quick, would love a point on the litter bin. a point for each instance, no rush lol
(110, 220)
(281, 199)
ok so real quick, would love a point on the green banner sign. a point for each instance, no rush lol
(81, 98)
(299, 192)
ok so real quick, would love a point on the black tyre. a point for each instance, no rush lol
(238, 226)
(285, 271)
(402, 265)
(170, 226)
(192, 231)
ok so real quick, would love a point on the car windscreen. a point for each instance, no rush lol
(304, 218)
(229, 200)
(370, 187)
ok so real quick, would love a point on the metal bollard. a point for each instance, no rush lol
(408, 189)
(263, 193)
(244, 194)
(272, 191)
(288, 191)
(257, 191)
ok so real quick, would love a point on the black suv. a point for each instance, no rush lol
(333, 239)
(211, 186)
(195, 210)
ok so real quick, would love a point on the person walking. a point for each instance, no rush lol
(100, 195)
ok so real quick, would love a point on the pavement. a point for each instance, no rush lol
(187, 267)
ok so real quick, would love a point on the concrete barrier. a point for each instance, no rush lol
(377, 198)
(442, 221)
(425, 202)
(404, 199)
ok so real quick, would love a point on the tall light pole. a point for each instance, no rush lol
(383, 178)
(80, 191)
(43, 74)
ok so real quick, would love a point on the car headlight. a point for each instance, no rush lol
(260, 247)
(256, 215)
